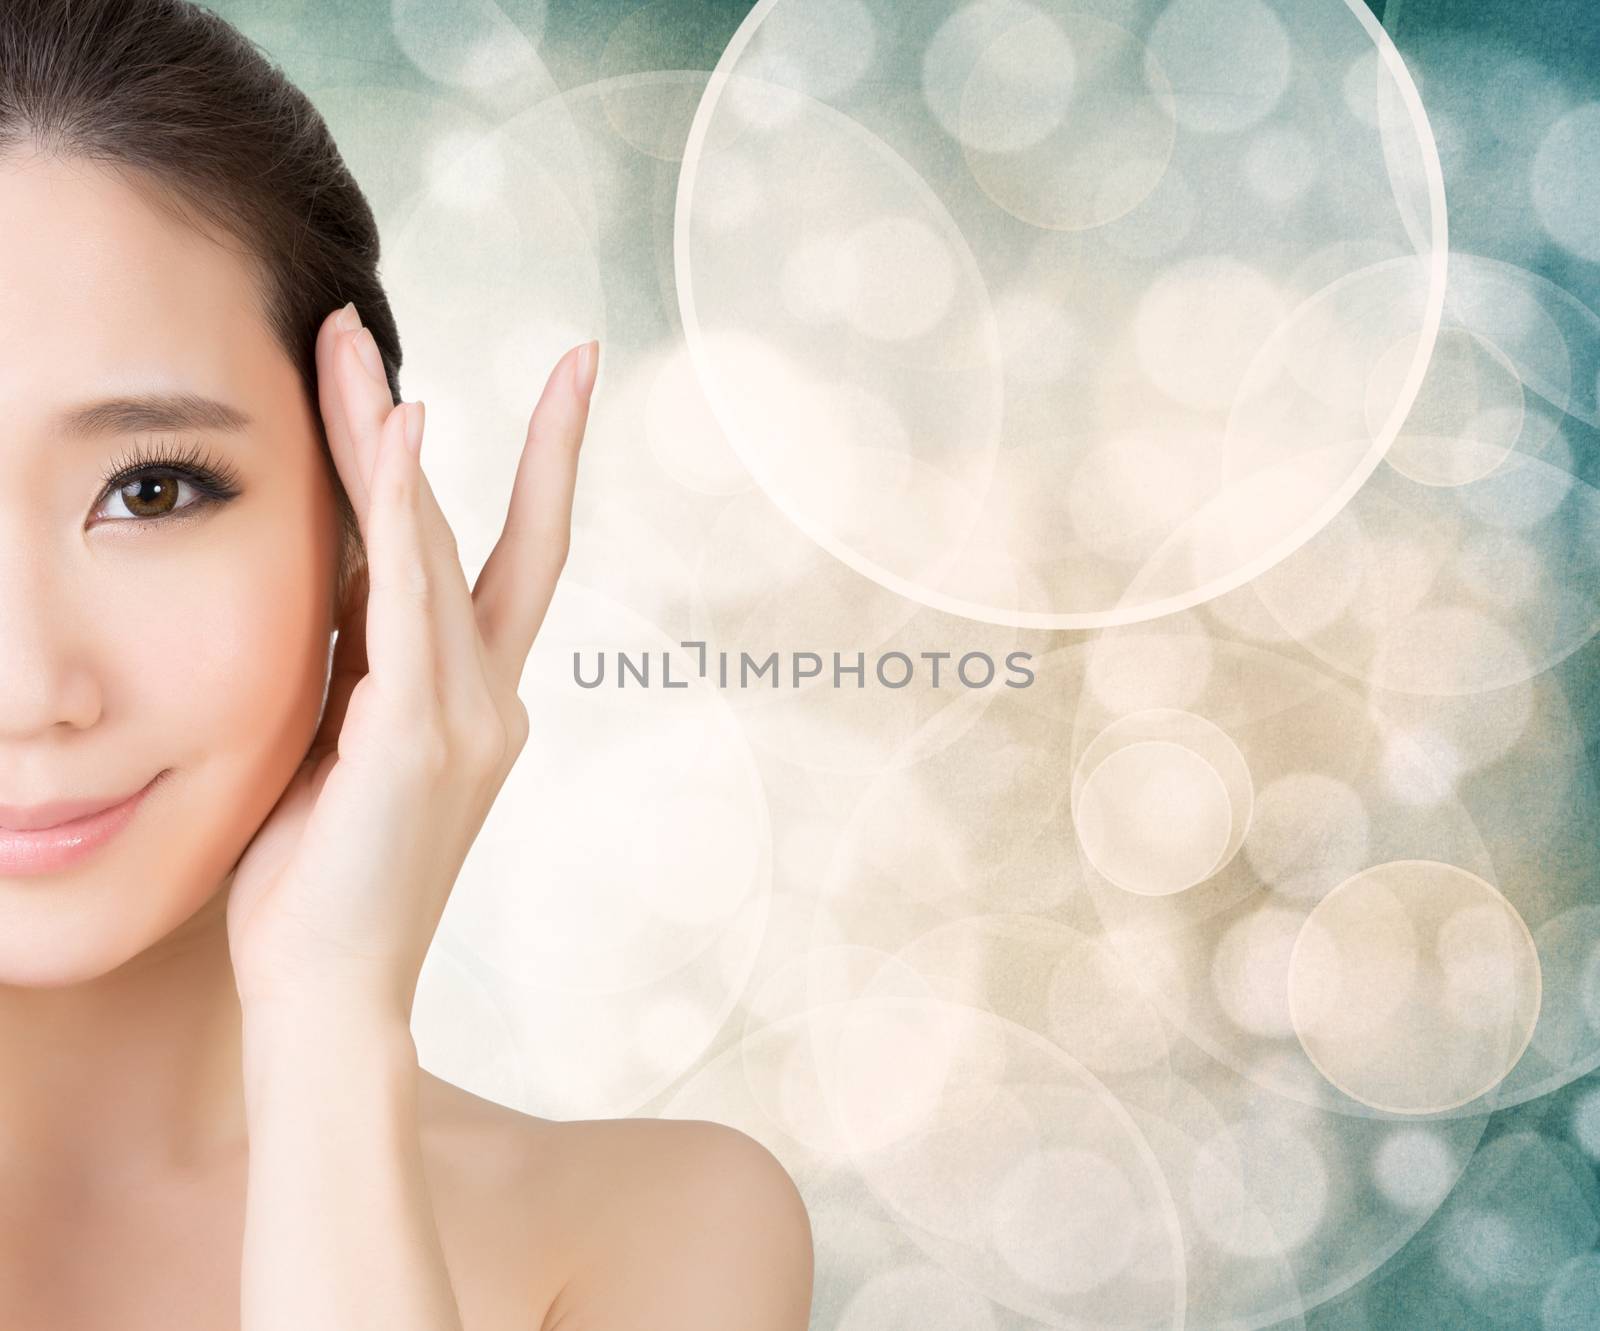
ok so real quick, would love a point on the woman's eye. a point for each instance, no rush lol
(146, 485)
(150, 496)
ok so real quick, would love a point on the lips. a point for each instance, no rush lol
(70, 837)
(33, 818)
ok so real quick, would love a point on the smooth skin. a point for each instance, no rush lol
(214, 1115)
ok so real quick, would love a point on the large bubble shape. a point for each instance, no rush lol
(1202, 370)
(1414, 986)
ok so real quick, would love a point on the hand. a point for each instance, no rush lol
(340, 892)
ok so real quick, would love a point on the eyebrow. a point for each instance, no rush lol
(153, 411)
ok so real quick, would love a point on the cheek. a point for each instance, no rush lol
(251, 655)
(211, 662)
(238, 665)
(247, 642)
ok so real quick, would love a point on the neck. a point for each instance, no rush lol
(131, 1076)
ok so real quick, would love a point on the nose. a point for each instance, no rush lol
(46, 681)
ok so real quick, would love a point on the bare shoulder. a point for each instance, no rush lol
(614, 1223)
(685, 1224)
(503, 1241)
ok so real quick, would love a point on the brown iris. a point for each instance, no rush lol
(151, 496)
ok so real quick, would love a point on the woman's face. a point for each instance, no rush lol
(145, 628)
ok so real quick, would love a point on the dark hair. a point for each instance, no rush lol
(190, 104)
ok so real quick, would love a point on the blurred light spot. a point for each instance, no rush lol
(1414, 986)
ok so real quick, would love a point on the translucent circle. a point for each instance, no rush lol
(1037, 335)
(1161, 799)
(905, 278)
(1526, 495)
(1422, 767)
(919, 335)
(1096, 1010)
(1414, 986)
(472, 43)
(1154, 817)
(1276, 712)
(1025, 97)
(1159, 225)
(1545, 332)
(1448, 649)
(1586, 1123)
(1466, 418)
(1307, 381)
(819, 278)
(1280, 164)
(672, 1032)
(682, 434)
(1019, 88)
(1065, 1219)
(1250, 968)
(1502, 303)
(466, 169)
(620, 931)
(1228, 62)
(1019, 1173)
(1258, 1187)
(1449, 590)
(1309, 832)
(1415, 1169)
(1092, 150)
(1526, 1206)
(986, 148)
(1201, 326)
(1141, 668)
(1565, 187)
(1360, 87)
(824, 48)
(1127, 493)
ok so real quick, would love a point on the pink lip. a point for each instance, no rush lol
(64, 833)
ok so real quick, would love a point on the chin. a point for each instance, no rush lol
(61, 930)
(57, 954)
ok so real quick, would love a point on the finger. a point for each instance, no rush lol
(367, 403)
(462, 672)
(349, 663)
(331, 405)
(400, 630)
(519, 578)
(348, 669)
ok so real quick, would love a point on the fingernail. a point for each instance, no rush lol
(585, 369)
(414, 419)
(347, 318)
(367, 348)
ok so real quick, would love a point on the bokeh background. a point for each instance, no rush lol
(1238, 360)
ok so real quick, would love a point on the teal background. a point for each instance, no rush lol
(1517, 1242)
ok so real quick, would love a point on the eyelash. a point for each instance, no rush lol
(216, 481)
